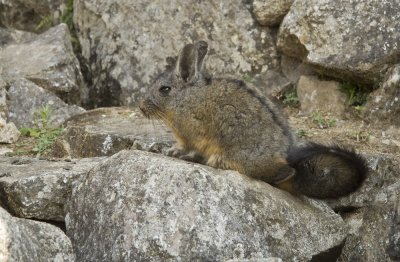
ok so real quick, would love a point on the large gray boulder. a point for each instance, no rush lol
(26, 99)
(23, 240)
(106, 131)
(144, 206)
(28, 14)
(126, 45)
(39, 189)
(383, 105)
(353, 40)
(46, 59)
(374, 234)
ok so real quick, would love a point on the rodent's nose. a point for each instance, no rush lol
(143, 107)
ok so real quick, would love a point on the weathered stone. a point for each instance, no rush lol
(353, 40)
(33, 188)
(26, 99)
(27, 14)
(9, 133)
(154, 208)
(106, 131)
(5, 150)
(381, 186)
(293, 69)
(374, 234)
(3, 93)
(46, 59)
(23, 240)
(127, 45)
(271, 12)
(322, 96)
(383, 105)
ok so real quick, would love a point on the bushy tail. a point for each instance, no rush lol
(326, 171)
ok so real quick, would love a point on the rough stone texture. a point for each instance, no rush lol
(127, 44)
(33, 188)
(353, 39)
(23, 240)
(154, 208)
(46, 59)
(27, 14)
(26, 98)
(381, 186)
(293, 69)
(374, 234)
(106, 131)
(383, 104)
(271, 12)
(9, 133)
(323, 96)
(3, 93)
(11, 36)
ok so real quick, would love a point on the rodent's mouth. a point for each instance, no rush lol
(149, 109)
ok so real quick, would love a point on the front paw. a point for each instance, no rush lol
(176, 152)
(193, 157)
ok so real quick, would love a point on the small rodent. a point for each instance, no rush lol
(232, 126)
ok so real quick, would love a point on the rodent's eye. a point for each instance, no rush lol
(164, 90)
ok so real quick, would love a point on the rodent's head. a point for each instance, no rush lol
(166, 92)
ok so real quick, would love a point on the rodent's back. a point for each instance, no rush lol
(233, 117)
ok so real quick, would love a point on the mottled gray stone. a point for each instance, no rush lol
(46, 59)
(322, 96)
(27, 14)
(293, 69)
(23, 240)
(126, 45)
(39, 189)
(106, 131)
(9, 133)
(353, 40)
(25, 99)
(153, 208)
(383, 105)
(374, 234)
(271, 12)
(3, 97)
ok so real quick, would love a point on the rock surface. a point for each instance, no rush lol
(106, 131)
(154, 208)
(25, 100)
(383, 105)
(374, 234)
(39, 189)
(271, 12)
(25, 240)
(353, 40)
(127, 45)
(46, 59)
(320, 96)
(293, 69)
(3, 98)
(27, 14)
(9, 133)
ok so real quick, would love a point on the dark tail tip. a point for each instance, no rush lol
(327, 171)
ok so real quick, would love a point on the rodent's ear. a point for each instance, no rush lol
(190, 61)
(202, 49)
(186, 65)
